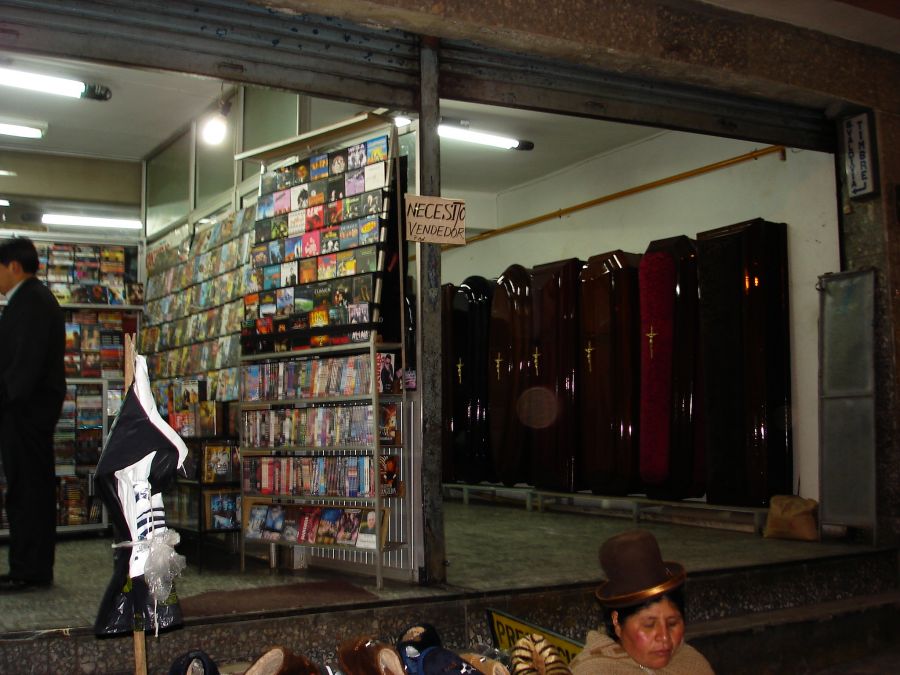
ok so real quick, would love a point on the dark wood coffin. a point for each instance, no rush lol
(467, 367)
(609, 373)
(744, 321)
(671, 438)
(448, 423)
(549, 403)
(508, 372)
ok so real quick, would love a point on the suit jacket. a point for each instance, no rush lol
(32, 345)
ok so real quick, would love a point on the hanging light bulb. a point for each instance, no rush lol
(215, 127)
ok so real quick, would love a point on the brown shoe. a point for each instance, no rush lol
(367, 656)
(282, 661)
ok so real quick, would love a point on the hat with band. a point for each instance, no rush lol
(635, 570)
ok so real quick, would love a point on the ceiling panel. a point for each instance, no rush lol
(146, 108)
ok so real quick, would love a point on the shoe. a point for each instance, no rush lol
(368, 656)
(195, 662)
(282, 661)
(414, 642)
(9, 584)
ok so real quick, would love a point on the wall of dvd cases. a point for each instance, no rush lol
(193, 318)
(96, 274)
(317, 250)
(313, 474)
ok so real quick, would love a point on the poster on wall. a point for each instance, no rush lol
(860, 167)
(435, 220)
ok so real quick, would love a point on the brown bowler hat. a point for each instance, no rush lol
(635, 570)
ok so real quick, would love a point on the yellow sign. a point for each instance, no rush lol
(435, 220)
(506, 629)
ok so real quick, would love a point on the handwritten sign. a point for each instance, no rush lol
(435, 220)
(859, 156)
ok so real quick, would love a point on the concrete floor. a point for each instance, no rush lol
(489, 547)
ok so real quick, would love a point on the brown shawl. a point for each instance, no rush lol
(604, 656)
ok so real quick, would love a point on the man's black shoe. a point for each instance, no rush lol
(10, 585)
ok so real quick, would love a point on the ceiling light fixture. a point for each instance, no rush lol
(216, 125)
(90, 221)
(402, 121)
(4, 202)
(22, 130)
(44, 83)
(48, 84)
(461, 132)
(5, 172)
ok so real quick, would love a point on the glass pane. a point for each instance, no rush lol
(407, 144)
(848, 461)
(269, 116)
(215, 163)
(168, 185)
(847, 335)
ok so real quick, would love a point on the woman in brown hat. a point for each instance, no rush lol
(643, 613)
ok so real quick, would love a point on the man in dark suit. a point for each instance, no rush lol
(32, 388)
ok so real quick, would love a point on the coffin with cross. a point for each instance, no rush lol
(609, 373)
(671, 436)
(549, 407)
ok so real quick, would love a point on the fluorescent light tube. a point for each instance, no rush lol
(5, 172)
(463, 134)
(21, 130)
(43, 83)
(90, 221)
(4, 202)
(402, 121)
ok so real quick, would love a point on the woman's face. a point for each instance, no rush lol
(651, 636)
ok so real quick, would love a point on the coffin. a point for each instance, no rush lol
(549, 402)
(671, 439)
(507, 376)
(746, 353)
(467, 369)
(448, 423)
(609, 373)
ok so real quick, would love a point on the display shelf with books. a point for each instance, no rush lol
(195, 307)
(306, 449)
(321, 314)
(206, 498)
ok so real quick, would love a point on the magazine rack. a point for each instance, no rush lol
(324, 463)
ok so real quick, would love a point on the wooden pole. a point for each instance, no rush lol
(129, 360)
(139, 637)
(140, 653)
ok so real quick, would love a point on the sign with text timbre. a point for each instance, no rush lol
(435, 220)
(506, 630)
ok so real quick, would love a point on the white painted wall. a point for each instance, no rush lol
(799, 191)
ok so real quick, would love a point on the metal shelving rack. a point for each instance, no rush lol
(395, 557)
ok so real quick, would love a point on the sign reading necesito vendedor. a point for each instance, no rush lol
(435, 220)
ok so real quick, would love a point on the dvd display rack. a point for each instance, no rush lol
(193, 317)
(324, 467)
(99, 291)
(206, 499)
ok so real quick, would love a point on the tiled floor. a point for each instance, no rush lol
(488, 547)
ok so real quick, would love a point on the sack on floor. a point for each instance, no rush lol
(792, 517)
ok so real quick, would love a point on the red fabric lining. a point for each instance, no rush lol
(657, 274)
